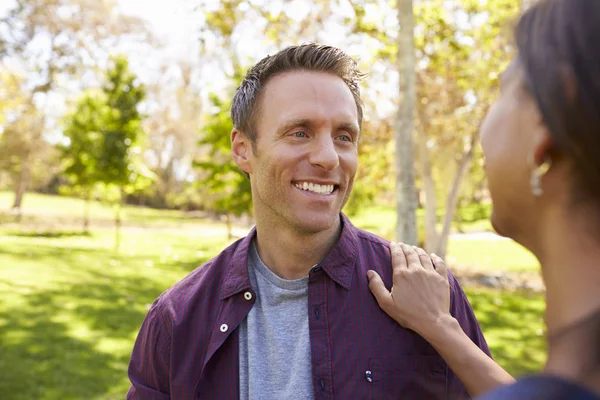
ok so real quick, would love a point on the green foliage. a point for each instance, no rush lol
(373, 183)
(122, 125)
(104, 132)
(226, 182)
(84, 129)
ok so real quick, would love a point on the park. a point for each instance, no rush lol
(71, 307)
(116, 179)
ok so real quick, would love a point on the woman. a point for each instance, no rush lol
(541, 141)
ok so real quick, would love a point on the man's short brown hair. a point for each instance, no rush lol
(307, 57)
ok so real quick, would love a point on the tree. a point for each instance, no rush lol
(228, 185)
(20, 143)
(51, 39)
(172, 128)
(105, 133)
(460, 48)
(60, 37)
(120, 165)
(406, 203)
(22, 147)
(84, 130)
(457, 81)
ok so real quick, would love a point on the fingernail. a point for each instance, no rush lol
(370, 274)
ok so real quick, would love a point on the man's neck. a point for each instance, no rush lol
(291, 254)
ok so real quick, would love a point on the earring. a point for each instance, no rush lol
(537, 174)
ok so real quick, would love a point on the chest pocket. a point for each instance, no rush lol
(415, 376)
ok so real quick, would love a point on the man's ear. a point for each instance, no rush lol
(241, 150)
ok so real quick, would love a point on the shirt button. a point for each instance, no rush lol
(224, 328)
(248, 296)
(322, 384)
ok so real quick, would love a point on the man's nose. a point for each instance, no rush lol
(324, 154)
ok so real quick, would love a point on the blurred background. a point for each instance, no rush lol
(116, 179)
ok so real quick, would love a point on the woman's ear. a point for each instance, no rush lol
(241, 150)
(542, 147)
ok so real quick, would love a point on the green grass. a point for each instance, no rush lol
(501, 255)
(70, 307)
(513, 325)
(57, 209)
(498, 255)
(491, 255)
(382, 219)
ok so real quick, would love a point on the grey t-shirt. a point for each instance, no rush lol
(275, 361)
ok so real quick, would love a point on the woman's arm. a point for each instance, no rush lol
(420, 300)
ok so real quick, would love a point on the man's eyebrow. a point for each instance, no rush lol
(292, 123)
(350, 127)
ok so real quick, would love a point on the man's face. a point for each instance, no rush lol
(306, 151)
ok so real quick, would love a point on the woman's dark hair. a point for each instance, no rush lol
(558, 44)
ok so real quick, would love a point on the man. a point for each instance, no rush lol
(286, 313)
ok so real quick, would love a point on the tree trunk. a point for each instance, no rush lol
(431, 234)
(406, 205)
(118, 224)
(458, 220)
(86, 214)
(21, 183)
(453, 195)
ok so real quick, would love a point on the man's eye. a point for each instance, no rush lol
(346, 138)
(300, 134)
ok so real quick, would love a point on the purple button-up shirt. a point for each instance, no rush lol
(188, 345)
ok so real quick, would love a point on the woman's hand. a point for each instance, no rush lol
(420, 300)
(420, 296)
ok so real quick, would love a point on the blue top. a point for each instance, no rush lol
(542, 388)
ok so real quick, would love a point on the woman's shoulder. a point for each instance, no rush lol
(542, 387)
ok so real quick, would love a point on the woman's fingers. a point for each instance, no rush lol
(440, 266)
(425, 259)
(412, 258)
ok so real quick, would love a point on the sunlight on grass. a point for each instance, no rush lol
(491, 255)
(68, 209)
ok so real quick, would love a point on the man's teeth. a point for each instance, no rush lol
(313, 187)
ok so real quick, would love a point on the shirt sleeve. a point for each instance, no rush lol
(150, 361)
(461, 309)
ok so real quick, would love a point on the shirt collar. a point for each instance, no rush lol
(237, 278)
(338, 264)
